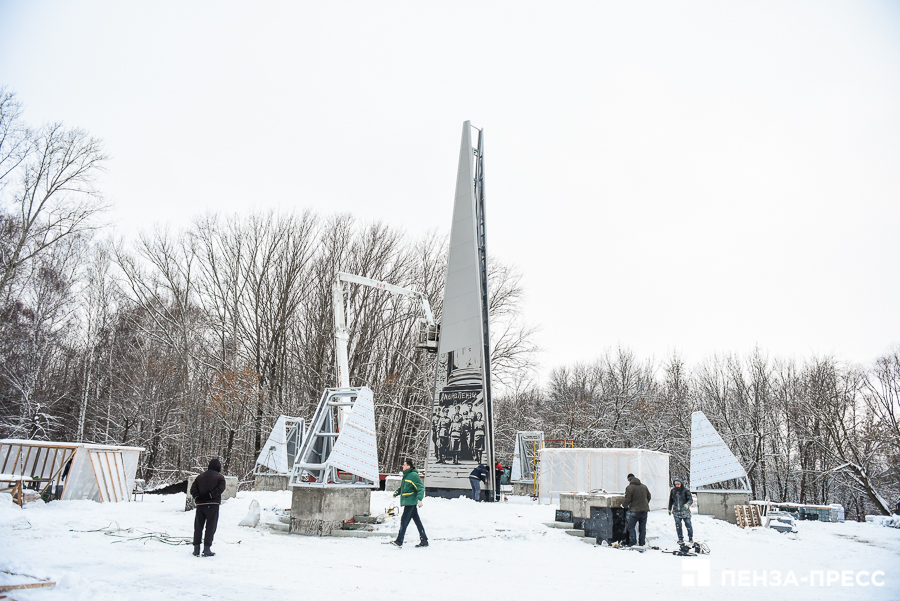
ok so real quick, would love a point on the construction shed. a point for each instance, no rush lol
(606, 470)
(70, 470)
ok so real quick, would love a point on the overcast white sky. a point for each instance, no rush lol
(700, 176)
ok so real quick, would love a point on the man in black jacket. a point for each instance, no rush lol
(680, 501)
(637, 502)
(207, 493)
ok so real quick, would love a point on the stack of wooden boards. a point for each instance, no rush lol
(748, 516)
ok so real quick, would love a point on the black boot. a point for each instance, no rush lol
(196, 550)
(207, 552)
(423, 543)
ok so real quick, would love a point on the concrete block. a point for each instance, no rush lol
(271, 482)
(580, 503)
(280, 527)
(523, 489)
(231, 489)
(573, 532)
(392, 483)
(720, 503)
(318, 510)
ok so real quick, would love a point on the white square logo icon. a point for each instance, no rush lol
(695, 571)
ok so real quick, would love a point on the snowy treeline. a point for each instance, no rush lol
(812, 431)
(191, 343)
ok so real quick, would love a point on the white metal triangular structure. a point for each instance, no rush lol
(711, 459)
(356, 449)
(277, 455)
(527, 446)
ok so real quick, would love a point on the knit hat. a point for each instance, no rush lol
(215, 465)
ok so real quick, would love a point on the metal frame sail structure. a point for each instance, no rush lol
(280, 451)
(528, 445)
(711, 459)
(462, 428)
(329, 449)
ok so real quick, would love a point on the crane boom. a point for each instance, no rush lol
(342, 335)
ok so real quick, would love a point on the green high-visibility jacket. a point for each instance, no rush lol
(411, 489)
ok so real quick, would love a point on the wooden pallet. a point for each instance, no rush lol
(747, 516)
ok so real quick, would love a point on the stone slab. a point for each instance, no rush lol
(272, 482)
(560, 525)
(580, 503)
(362, 534)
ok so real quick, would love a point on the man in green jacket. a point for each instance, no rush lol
(637, 502)
(411, 493)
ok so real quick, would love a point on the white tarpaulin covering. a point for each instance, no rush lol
(711, 459)
(103, 473)
(585, 470)
(274, 455)
(356, 449)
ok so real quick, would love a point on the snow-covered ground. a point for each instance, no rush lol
(476, 549)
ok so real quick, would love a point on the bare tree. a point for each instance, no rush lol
(52, 194)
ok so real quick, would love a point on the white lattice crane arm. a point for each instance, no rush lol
(342, 335)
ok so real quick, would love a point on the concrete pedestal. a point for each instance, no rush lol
(231, 489)
(392, 483)
(271, 482)
(523, 489)
(580, 503)
(317, 510)
(720, 503)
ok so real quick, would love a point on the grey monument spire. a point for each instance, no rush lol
(462, 432)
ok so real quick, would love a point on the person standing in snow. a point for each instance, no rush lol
(476, 479)
(207, 492)
(411, 493)
(498, 474)
(680, 501)
(637, 501)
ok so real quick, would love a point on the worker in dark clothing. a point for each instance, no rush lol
(207, 492)
(680, 501)
(637, 501)
(476, 479)
(498, 475)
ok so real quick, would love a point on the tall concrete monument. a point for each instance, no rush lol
(462, 429)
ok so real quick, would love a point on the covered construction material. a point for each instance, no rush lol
(72, 471)
(603, 470)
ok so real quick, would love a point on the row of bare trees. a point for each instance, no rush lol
(816, 431)
(191, 343)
